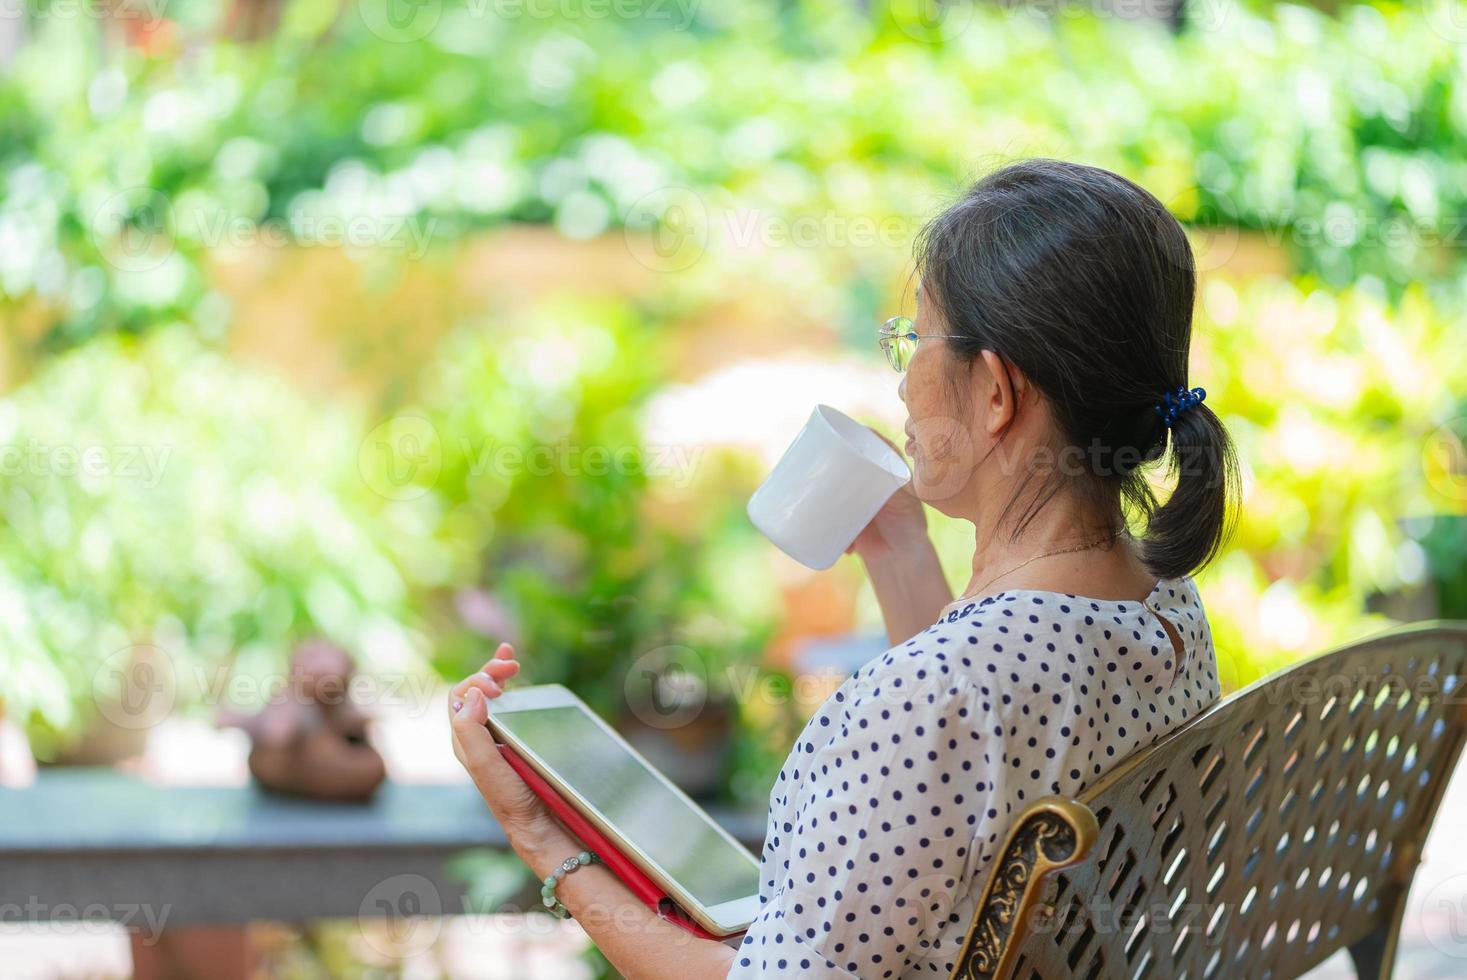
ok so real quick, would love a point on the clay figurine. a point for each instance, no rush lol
(311, 739)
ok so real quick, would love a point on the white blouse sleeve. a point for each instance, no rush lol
(890, 794)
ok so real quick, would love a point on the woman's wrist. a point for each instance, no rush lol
(915, 552)
(910, 587)
(912, 570)
(542, 843)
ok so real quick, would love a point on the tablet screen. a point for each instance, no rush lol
(678, 837)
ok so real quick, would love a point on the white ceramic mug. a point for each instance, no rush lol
(826, 487)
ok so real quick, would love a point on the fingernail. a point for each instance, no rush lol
(457, 705)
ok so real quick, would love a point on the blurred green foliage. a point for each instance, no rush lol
(1332, 143)
(546, 499)
(1334, 399)
(157, 493)
(1340, 137)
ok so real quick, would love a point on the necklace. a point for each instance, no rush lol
(1048, 554)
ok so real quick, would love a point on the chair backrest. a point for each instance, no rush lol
(1280, 825)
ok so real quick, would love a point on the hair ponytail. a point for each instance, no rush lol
(1185, 533)
(1087, 284)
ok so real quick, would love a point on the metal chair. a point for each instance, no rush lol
(1278, 826)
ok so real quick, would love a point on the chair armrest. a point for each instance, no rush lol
(1051, 834)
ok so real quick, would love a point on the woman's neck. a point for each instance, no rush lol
(1046, 556)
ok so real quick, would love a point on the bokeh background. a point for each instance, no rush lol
(421, 324)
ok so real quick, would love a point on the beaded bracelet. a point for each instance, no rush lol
(547, 887)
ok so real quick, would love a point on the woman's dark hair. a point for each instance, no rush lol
(1085, 282)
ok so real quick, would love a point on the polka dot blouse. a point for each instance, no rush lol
(887, 814)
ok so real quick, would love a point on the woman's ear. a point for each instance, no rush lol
(998, 388)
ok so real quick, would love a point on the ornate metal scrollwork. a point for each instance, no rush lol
(1045, 839)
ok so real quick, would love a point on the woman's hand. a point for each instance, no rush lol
(899, 527)
(638, 941)
(516, 807)
(905, 574)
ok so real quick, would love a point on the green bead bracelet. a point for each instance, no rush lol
(547, 887)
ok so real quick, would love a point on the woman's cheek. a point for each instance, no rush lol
(943, 462)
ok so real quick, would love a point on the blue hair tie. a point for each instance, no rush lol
(1174, 403)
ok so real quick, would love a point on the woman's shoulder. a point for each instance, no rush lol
(926, 677)
(1025, 628)
(1022, 636)
(945, 667)
(1180, 601)
(1001, 611)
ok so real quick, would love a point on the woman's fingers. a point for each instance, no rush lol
(907, 487)
(513, 802)
(472, 741)
(481, 682)
(490, 678)
(468, 707)
(500, 669)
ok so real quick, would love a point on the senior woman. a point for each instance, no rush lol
(1045, 368)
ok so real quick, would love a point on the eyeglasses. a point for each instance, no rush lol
(898, 340)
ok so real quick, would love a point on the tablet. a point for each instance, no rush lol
(655, 825)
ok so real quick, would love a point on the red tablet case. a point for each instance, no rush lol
(643, 887)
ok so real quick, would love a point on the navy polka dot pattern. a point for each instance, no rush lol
(888, 812)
